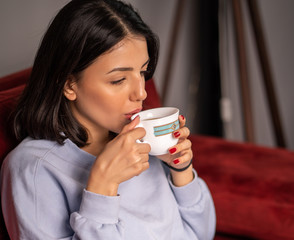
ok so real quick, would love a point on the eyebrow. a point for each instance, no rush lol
(124, 69)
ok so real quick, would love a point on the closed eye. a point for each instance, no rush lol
(117, 82)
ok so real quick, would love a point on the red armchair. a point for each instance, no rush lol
(252, 186)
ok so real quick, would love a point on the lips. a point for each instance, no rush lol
(130, 114)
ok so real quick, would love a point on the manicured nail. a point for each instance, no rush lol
(176, 161)
(177, 134)
(172, 150)
(182, 116)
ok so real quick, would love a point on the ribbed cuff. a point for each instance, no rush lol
(189, 194)
(100, 208)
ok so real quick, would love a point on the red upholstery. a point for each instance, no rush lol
(10, 88)
(14, 79)
(252, 186)
(7, 102)
(153, 99)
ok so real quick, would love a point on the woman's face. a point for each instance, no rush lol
(112, 88)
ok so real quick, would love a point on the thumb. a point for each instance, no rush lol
(131, 125)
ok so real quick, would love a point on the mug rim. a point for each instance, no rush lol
(176, 111)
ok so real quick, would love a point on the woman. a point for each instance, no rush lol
(78, 172)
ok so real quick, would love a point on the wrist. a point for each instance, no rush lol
(182, 178)
(179, 169)
(102, 188)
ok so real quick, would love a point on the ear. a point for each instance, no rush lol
(69, 89)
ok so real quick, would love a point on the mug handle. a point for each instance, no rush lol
(141, 140)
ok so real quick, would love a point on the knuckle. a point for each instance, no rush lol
(187, 131)
(126, 140)
(145, 158)
(148, 147)
(141, 131)
(143, 147)
(189, 143)
(129, 138)
(135, 158)
(189, 154)
(146, 165)
(138, 167)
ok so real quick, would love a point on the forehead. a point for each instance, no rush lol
(131, 53)
(131, 50)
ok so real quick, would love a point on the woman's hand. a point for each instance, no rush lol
(122, 159)
(180, 155)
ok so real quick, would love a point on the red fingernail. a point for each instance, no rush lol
(172, 150)
(176, 161)
(183, 117)
(177, 134)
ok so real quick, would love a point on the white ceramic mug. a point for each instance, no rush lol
(159, 124)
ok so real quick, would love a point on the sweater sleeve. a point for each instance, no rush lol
(37, 208)
(97, 218)
(196, 208)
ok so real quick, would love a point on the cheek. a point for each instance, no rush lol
(100, 106)
(95, 102)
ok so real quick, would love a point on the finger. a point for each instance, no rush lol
(139, 167)
(135, 133)
(182, 120)
(145, 166)
(130, 136)
(138, 133)
(183, 160)
(131, 125)
(144, 158)
(181, 146)
(136, 169)
(182, 133)
(143, 147)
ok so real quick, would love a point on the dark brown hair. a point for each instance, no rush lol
(80, 32)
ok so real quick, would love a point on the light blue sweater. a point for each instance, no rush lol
(43, 197)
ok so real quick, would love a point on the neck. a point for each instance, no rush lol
(96, 143)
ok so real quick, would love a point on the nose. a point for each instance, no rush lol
(138, 92)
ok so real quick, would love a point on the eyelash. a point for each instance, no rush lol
(117, 82)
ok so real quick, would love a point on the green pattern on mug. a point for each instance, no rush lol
(166, 129)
